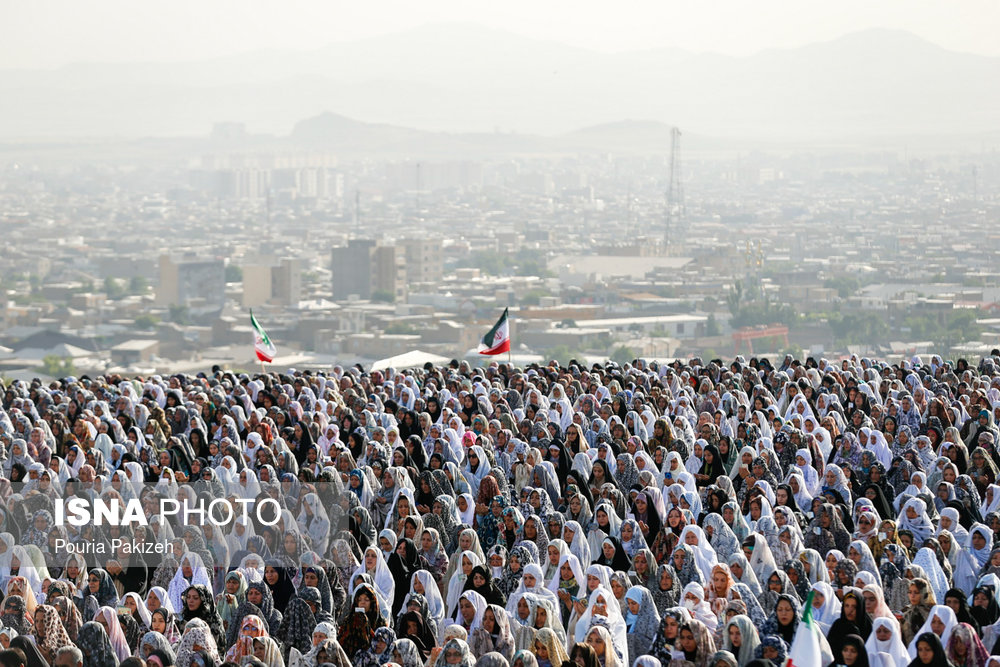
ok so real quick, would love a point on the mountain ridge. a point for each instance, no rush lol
(462, 79)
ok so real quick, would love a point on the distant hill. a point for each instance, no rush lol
(460, 78)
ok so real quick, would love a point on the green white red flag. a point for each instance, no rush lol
(497, 340)
(809, 647)
(262, 344)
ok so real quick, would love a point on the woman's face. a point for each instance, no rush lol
(467, 610)
(937, 626)
(735, 638)
(850, 607)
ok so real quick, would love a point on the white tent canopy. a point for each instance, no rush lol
(409, 360)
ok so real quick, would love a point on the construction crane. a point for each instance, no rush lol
(675, 189)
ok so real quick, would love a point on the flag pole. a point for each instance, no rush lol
(509, 362)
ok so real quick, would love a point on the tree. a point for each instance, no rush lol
(400, 328)
(623, 355)
(527, 262)
(180, 314)
(383, 296)
(795, 350)
(137, 285)
(734, 297)
(113, 288)
(712, 326)
(563, 353)
(533, 297)
(57, 367)
(234, 274)
(845, 285)
(146, 321)
(856, 329)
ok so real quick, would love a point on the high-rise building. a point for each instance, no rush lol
(389, 272)
(286, 282)
(190, 280)
(267, 280)
(351, 268)
(424, 260)
(365, 267)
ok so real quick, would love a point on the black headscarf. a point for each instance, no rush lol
(963, 614)
(859, 645)
(583, 486)
(619, 562)
(283, 590)
(716, 469)
(206, 612)
(402, 568)
(31, 652)
(489, 590)
(790, 503)
(303, 445)
(423, 638)
(939, 658)
(842, 627)
(985, 615)
(880, 502)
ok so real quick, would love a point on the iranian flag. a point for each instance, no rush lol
(809, 648)
(262, 344)
(497, 340)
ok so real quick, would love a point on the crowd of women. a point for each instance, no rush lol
(645, 515)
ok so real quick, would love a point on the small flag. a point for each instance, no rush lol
(262, 344)
(498, 338)
(805, 650)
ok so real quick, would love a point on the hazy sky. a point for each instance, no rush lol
(49, 33)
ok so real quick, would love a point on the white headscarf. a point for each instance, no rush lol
(539, 589)
(704, 554)
(384, 583)
(927, 559)
(614, 621)
(702, 610)
(457, 582)
(179, 584)
(115, 633)
(943, 613)
(894, 646)
(435, 603)
(574, 564)
(478, 602)
(829, 612)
